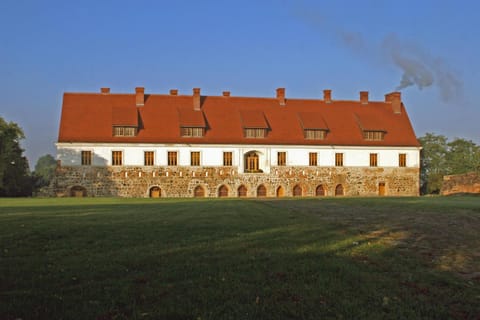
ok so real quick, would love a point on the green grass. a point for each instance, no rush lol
(351, 258)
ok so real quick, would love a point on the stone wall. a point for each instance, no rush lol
(461, 183)
(182, 181)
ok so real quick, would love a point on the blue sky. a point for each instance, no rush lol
(248, 47)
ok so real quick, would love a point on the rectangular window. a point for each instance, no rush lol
(339, 159)
(373, 159)
(315, 134)
(148, 158)
(86, 158)
(373, 135)
(194, 158)
(172, 158)
(227, 158)
(192, 132)
(117, 158)
(124, 131)
(281, 158)
(255, 133)
(402, 160)
(312, 158)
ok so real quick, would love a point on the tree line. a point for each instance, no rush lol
(439, 157)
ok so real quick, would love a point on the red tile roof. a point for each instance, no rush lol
(89, 117)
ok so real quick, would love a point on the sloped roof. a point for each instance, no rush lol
(89, 117)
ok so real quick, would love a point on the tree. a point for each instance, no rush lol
(463, 156)
(44, 170)
(15, 179)
(433, 162)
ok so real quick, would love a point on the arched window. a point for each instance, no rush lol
(78, 191)
(320, 191)
(297, 191)
(155, 192)
(251, 162)
(280, 192)
(223, 191)
(261, 191)
(242, 191)
(199, 192)
(339, 190)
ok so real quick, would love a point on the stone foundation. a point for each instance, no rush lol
(461, 183)
(182, 181)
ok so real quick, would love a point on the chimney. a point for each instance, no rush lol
(327, 96)
(140, 96)
(364, 97)
(395, 98)
(281, 96)
(226, 93)
(174, 92)
(196, 99)
(104, 90)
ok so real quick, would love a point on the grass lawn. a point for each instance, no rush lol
(329, 258)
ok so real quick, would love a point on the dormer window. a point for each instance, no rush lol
(373, 135)
(123, 131)
(255, 133)
(315, 134)
(314, 126)
(254, 123)
(194, 132)
(192, 123)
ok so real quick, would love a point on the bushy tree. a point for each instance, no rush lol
(15, 177)
(44, 170)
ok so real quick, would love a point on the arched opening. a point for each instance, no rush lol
(199, 192)
(320, 191)
(261, 191)
(381, 189)
(155, 192)
(339, 190)
(280, 192)
(251, 162)
(78, 191)
(223, 191)
(297, 191)
(242, 191)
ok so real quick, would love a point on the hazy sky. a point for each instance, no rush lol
(428, 49)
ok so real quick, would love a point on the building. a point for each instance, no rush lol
(172, 145)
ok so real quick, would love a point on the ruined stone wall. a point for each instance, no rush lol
(182, 181)
(461, 183)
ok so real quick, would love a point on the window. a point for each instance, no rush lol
(124, 131)
(192, 132)
(255, 133)
(116, 158)
(373, 135)
(251, 162)
(339, 159)
(315, 134)
(402, 160)
(227, 158)
(194, 158)
(172, 158)
(373, 159)
(148, 158)
(312, 158)
(86, 158)
(281, 158)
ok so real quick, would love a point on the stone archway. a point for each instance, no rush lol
(320, 191)
(339, 191)
(280, 192)
(242, 191)
(199, 192)
(155, 192)
(297, 191)
(223, 191)
(78, 191)
(261, 191)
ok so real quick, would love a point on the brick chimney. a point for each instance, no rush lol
(281, 96)
(226, 93)
(395, 98)
(104, 90)
(174, 92)
(364, 97)
(196, 99)
(140, 96)
(327, 96)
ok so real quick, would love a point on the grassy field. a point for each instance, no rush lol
(329, 258)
